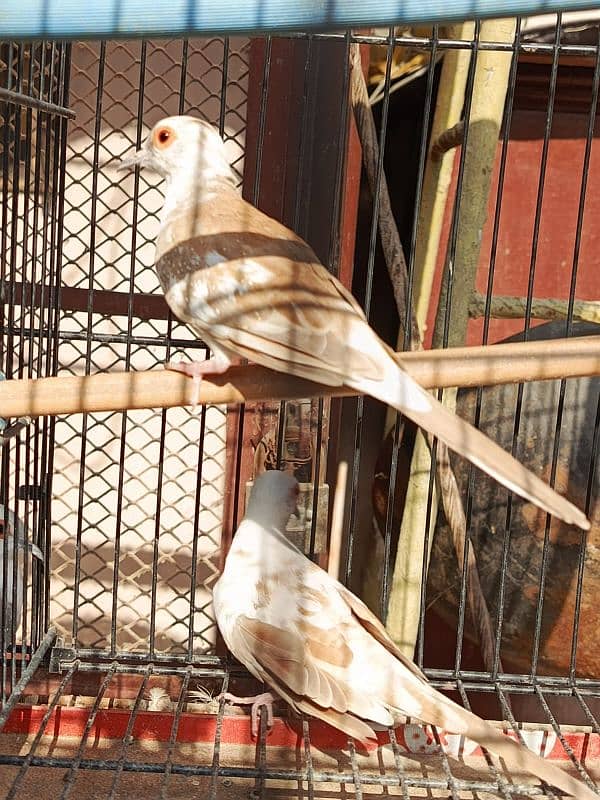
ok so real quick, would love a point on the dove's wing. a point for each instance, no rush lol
(250, 285)
(289, 315)
(302, 636)
(244, 279)
(319, 647)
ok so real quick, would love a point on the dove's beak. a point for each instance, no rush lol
(138, 159)
(35, 551)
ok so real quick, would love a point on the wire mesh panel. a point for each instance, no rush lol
(33, 114)
(134, 490)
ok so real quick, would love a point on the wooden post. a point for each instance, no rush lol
(487, 109)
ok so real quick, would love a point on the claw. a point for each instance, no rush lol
(257, 702)
(196, 370)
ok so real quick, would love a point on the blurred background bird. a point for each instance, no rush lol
(11, 595)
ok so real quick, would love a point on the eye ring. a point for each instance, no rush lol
(164, 137)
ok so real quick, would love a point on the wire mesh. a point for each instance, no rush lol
(130, 561)
(33, 115)
(139, 500)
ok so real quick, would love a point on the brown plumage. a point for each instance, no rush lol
(322, 650)
(250, 287)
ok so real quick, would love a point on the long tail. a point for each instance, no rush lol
(518, 759)
(403, 393)
(443, 712)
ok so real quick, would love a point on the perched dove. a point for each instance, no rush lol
(300, 631)
(248, 286)
(14, 599)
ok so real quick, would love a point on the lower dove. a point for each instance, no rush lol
(250, 287)
(300, 631)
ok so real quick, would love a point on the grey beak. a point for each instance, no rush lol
(35, 551)
(130, 163)
(31, 548)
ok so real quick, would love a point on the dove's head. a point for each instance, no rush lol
(274, 498)
(8, 523)
(185, 149)
(7, 526)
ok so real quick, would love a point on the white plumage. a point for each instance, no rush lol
(320, 648)
(269, 300)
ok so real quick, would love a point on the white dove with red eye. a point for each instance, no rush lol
(319, 647)
(250, 287)
(13, 596)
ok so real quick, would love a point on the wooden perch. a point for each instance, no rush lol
(462, 366)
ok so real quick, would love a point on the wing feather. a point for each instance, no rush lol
(295, 673)
(279, 310)
(375, 627)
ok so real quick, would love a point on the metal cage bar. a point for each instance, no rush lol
(33, 114)
(67, 20)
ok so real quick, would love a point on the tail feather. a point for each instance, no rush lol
(448, 715)
(519, 758)
(404, 394)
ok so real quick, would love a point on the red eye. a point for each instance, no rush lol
(164, 137)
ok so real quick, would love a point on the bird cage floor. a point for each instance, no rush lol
(59, 741)
(423, 775)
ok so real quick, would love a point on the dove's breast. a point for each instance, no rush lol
(258, 581)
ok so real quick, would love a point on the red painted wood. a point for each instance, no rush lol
(555, 253)
(157, 726)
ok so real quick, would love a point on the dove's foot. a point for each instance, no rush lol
(196, 370)
(257, 701)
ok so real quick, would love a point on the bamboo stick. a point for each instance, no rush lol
(485, 118)
(438, 171)
(336, 537)
(506, 307)
(462, 366)
(405, 594)
(487, 107)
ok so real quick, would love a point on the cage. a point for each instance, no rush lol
(446, 174)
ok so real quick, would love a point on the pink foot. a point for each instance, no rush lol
(216, 365)
(257, 701)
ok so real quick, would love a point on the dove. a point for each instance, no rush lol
(14, 599)
(317, 646)
(249, 287)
